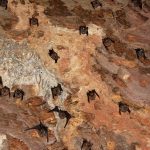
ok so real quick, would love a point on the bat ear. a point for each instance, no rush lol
(40, 121)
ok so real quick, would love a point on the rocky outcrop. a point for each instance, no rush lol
(85, 64)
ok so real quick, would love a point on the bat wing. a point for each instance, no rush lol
(96, 93)
(34, 127)
(68, 117)
(88, 98)
(47, 136)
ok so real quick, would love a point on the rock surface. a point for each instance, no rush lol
(85, 64)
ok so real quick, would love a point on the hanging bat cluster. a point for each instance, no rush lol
(41, 129)
(19, 94)
(83, 30)
(107, 42)
(56, 90)
(53, 55)
(137, 3)
(140, 54)
(33, 21)
(1, 82)
(4, 90)
(91, 95)
(86, 145)
(96, 4)
(4, 3)
(62, 114)
(123, 107)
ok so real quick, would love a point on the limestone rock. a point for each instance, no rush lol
(85, 64)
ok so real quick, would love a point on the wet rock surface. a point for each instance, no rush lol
(86, 62)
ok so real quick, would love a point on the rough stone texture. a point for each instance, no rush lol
(84, 64)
